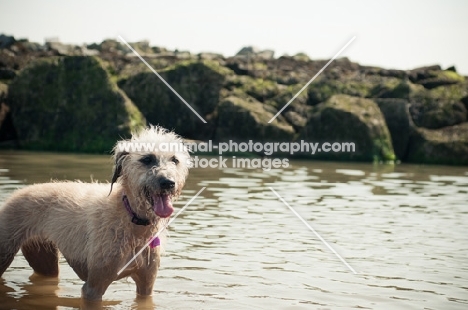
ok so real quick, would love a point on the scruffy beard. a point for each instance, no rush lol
(160, 201)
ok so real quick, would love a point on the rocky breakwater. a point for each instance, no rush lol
(416, 116)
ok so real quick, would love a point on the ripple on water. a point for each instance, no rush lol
(402, 228)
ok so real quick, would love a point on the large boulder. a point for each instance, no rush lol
(439, 107)
(399, 123)
(243, 119)
(70, 104)
(448, 145)
(347, 119)
(198, 82)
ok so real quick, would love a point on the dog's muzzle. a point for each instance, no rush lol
(162, 200)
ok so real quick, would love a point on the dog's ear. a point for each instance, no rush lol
(119, 157)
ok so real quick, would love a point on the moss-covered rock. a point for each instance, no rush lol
(198, 82)
(70, 104)
(431, 78)
(448, 145)
(392, 88)
(344, 119)
(298, 110)
(242, 120)
(258, 88)
(439, 107)
(399, 123)
(322, 90)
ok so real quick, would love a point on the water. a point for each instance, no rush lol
(237, 246)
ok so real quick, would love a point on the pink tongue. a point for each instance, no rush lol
(162, 205)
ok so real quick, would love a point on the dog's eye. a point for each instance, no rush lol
(174, 160)
(148, 159)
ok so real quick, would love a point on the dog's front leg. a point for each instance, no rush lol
(99, 279)
(145, 275)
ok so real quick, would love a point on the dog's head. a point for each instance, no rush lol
(152, 166)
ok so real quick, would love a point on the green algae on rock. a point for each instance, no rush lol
(343, 119)
(241, 120)
(70, 104)
(448, 145)
(399, 123)
(198, 82)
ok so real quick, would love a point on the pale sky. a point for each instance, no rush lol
(389, 34)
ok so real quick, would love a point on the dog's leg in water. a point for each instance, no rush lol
(10, 243)
(42, 256)
(146, 276)
(99, 279)
(5, 260)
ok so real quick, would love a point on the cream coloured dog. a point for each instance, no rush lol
(96, 228)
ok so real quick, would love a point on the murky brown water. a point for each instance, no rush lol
(237, 246)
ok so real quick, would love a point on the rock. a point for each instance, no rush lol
(297, 120)
(60, 48)
(442, 78)
(142, 47)
(3, 91)
(301, 57)
(297, 111)
(4, 109)
(252, 51)
(7, 74)
(323, 89)
(8, 135)
(399, 123)
(243, 120)
(182, 54)
(448, 145)
(422, 72)
(391, 88)
(70, 104)
(158, 49)
(7, 131)
(347, 119)
(432, 77)
(88, 52)
(400, 74)
(439, 107)
(451, 68)
(259, 89)
(199, 83)
(210, 56)
(248, 51)
(464, 100)
(6, 41)
(113, 47)
(438, 114)
(266, 54)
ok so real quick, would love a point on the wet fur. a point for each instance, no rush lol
(89, 225)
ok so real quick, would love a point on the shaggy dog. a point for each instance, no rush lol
(96, 228)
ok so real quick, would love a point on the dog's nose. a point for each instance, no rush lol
(167, 184)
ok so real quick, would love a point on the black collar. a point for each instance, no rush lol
(135, 219)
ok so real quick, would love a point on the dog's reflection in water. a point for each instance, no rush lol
(43, 293)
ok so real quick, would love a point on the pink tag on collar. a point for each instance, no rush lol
(156, 242)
